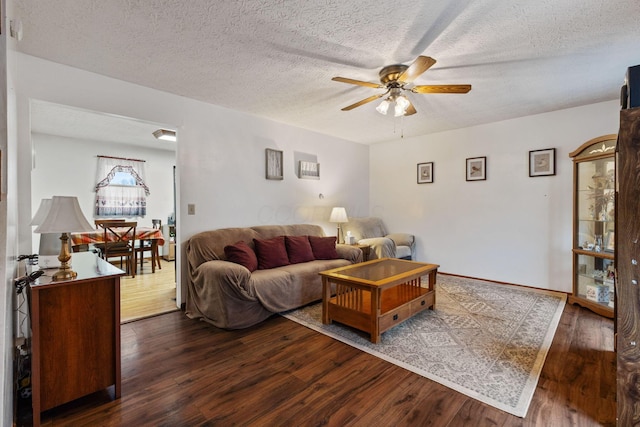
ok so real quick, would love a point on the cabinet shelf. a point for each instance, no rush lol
(603, 255)
(598, 280)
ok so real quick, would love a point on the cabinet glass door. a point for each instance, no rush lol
(594, 225)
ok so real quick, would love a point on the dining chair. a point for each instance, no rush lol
(145, 245)
(99, 222)
(120, 241)
(99, 247)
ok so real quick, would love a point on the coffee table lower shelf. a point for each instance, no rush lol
(354, 308)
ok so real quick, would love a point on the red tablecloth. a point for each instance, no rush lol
(97, 236)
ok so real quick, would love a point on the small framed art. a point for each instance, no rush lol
(476, 169)
(542, 162)
(309, 170)
(274, 169)
(425, 173)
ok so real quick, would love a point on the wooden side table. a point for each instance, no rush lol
(365, 251)
(75, 327)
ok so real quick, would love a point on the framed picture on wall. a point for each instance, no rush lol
(309, 170)
(274, 169)
(476, 169)
(425, 173)
(542, 162)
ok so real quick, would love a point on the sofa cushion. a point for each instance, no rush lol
(271, 253)
(323, 247)
(293, 285)
(242, 254)
(298, 249)
(403, 252)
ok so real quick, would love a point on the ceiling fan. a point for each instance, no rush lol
(395, 79)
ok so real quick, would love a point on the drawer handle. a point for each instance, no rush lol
(423, 302)
(395, 317)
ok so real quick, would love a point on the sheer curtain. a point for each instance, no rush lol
(121, 188)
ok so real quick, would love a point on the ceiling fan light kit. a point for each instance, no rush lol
(395, 79)
(383, 107)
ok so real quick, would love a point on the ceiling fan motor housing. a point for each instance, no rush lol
(391, 73)
(395, 77)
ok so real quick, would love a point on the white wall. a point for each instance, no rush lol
(6, 296)
(78, 177)
(220, 158)
(509, 228)
(8, 218)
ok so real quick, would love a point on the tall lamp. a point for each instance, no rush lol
(64, 216)
(338, 215)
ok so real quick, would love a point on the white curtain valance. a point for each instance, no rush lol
(124, 194)
(108, 167)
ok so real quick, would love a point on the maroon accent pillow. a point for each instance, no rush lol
(323, 247)
(298, 249)
(271, 253)
(242, 254)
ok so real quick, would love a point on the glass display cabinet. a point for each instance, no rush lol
(594, 225)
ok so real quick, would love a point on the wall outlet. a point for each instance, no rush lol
(191, 209)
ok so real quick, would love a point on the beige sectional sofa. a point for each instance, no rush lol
(231, 296)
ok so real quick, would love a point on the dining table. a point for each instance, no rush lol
(82, 240)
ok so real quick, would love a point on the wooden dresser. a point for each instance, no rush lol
(75, 326)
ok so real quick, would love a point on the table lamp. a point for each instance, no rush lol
(49, 242)
(64, 216)
(338, 215)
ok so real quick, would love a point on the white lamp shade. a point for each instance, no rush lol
(64, 216)
(339, 215)
(41, 213)
(402, 104)
(383, 107)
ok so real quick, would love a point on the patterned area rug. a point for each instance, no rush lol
(485, 340)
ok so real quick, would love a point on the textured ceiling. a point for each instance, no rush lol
(70, 122)
(276, 58)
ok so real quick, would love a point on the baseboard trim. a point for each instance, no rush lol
(502, 283)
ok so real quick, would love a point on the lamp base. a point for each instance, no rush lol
(64, 272)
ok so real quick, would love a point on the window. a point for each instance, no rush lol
(121, 188)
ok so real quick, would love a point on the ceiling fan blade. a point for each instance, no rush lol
(357, 82)
(441, 89)
(419, 66)
(410, 110)
(364, 101)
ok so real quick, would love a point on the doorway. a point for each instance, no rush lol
(62, 134)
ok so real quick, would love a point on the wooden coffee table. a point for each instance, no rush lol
(375, 296)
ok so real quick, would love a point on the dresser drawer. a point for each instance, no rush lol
(422, 303)
(394, 317)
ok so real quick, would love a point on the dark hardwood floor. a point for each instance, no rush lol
(180, 372)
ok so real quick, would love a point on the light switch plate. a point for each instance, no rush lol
(191, 209)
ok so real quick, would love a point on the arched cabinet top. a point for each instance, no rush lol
(597, 147)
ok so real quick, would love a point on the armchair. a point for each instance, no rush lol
(372, 232)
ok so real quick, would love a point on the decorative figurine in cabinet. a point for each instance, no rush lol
(594, 171)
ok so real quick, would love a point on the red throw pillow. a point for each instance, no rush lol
(298, 249)
(271, 253)
(242, 254)
(323, 247)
